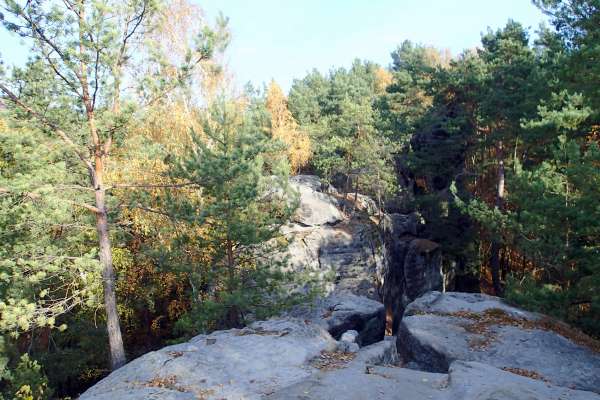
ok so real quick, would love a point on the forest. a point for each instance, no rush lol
(141, 196)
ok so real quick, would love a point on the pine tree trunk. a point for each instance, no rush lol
(115, 340)
(100, 151)
(496, 244)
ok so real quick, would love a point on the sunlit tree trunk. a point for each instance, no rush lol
(496, 243)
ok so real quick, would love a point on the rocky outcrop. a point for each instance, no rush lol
(412, 267)
(315, 207)
(464, 381)
(235, 364)
(294, 359)
(342, 251)
(439, 329)
(342, 312)
(451, 346)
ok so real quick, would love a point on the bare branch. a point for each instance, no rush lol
(151, 186)
(91, 208)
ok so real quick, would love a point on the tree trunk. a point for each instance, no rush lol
(496, 243)
(233, 314)
(115, 340)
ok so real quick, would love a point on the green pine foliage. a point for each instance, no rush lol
(496, 149)
(338, 111)
(240, 200)
(47, 267)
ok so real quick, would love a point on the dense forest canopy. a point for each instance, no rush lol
(140, 196)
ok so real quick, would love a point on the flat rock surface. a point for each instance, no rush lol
(372, 375)
(233, 364)
(438, 329)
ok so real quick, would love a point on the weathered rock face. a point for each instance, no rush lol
(233, 364)
(438, 329)
(395, 266)
(455, 345)
(315, 207)
(412, 267)
(342, 312)
(294, 359)
(343, 251)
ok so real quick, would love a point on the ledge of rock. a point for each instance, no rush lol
(235, 364)
(438, 329)
(341, 312)
(373, 375)
(342, 251)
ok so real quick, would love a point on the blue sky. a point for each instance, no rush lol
(285, 39)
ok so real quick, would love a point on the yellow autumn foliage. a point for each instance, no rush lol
(285, 128)
(383, 79)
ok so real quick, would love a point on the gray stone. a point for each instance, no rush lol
(311, 181)
(437, 330)
(349, 336)
(341, 312)
(476, 381)
(372, 375)
(348, 347)
(412, 267)
(315, 207)
(401, 224)
(233, 364)
(341, 252)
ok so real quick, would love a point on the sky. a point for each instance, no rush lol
(285, 39)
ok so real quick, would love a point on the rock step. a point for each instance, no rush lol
(440, 328)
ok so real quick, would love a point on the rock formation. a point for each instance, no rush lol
(344, 251)
(294, 358)
(440, 328)
(412, 266)
(451, 346)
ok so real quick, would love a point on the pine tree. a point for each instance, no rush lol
(242, 201)
(85, 47)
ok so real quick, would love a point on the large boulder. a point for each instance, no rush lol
(315, 207)
(440, 328)
(342, 251)
(235, 364)
(342, 312)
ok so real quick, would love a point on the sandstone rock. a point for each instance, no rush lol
(348, 347)
(372, 375)
(476, 381)
(412, 267)
(342, 253)
(438, 329)
(349, 336)
(341, 312)
(399, 225)
(233, 364)
(315, 207)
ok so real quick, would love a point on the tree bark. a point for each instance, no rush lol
(100, 150)
(496, 243)
(115, 340)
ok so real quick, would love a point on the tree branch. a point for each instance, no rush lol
(63, 136)
(150, 186)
